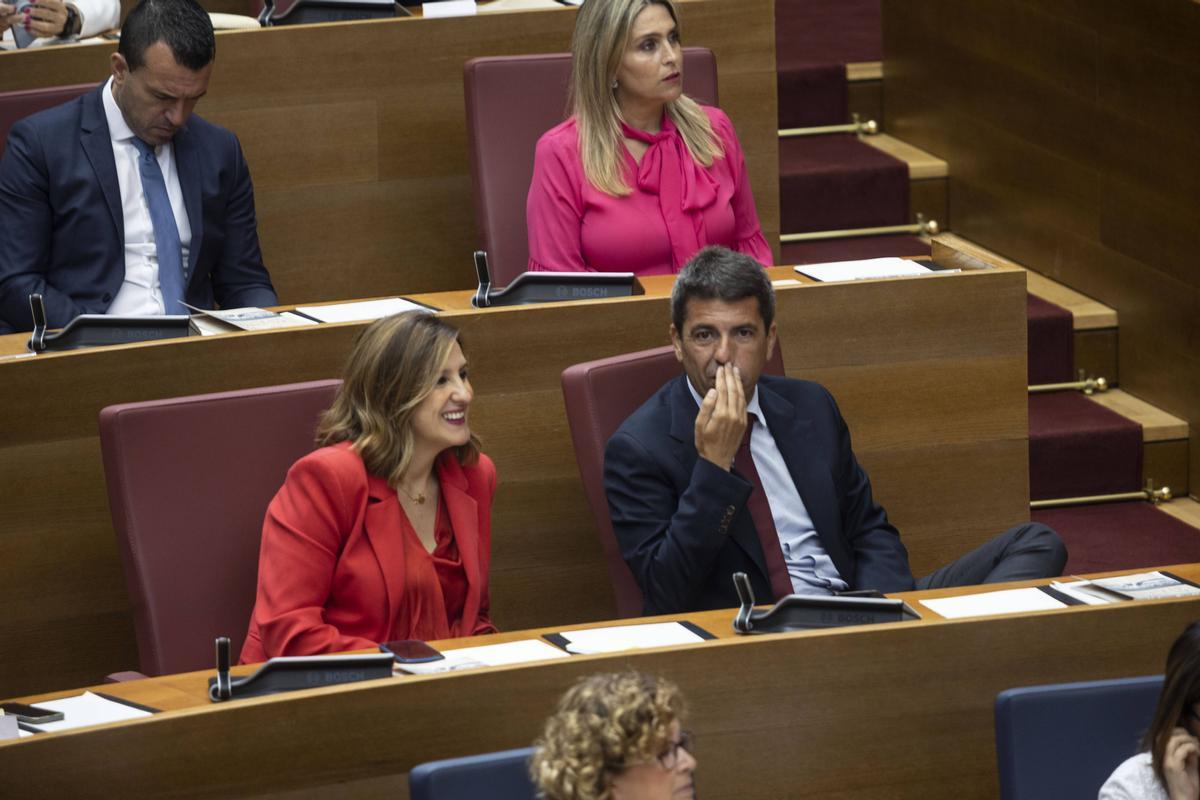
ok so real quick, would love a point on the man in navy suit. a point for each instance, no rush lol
(121, 201)
(693, 499)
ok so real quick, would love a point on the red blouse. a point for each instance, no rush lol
(435, 584)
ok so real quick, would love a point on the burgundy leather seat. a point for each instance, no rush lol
(511, 102)
(599, 395)
(18, 105)
(189, 480)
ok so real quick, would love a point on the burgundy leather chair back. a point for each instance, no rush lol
(511, 102)
(189, 481)
(18, 105)
(599, 396)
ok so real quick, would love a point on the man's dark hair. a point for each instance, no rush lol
(717, 273)
(182, 25)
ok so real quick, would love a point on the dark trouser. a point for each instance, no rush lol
(1022, 553)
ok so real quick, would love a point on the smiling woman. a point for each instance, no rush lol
(385, 532)
(640, 176)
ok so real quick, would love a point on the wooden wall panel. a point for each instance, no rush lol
(947, 459)
(1070, 131)
(355, 133)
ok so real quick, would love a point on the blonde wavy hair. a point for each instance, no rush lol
(602, 32)
(602, 725)
(394, 365)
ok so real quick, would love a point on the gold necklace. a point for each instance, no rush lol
(420, 497)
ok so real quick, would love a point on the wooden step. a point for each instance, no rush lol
(1095, 324)
(1164, 438)
(1185, 509)
(927, 194)
(864, 87)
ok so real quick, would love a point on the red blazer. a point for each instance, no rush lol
(331, 566)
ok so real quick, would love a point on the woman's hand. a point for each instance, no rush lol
(8, 16)
(47, 18)
(1180, 766)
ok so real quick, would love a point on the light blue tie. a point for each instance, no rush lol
(166, 233)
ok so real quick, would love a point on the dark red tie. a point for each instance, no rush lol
(760, 512)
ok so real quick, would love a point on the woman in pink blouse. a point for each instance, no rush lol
(640, 177)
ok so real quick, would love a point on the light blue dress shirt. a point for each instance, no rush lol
(809, 567)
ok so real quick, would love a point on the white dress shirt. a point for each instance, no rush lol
(140, 293)
(809, 567)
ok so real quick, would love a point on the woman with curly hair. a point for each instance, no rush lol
(616, 737)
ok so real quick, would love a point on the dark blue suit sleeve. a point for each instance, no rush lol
(239, 278)
(26, 230)
(880, 558)
(671, 542)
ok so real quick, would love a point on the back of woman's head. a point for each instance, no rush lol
(603, 724)
(1180, 694)
(394, 365)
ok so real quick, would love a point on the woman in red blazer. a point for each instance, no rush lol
(385, 531)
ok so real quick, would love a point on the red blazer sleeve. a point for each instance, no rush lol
(307, 523)
(487, 492)
(748, 231)
(554, 207)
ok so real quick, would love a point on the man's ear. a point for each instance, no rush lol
(120, 68)
(677, 343)
(771, 339)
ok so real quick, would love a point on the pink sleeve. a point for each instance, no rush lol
(749, 237)
(554, 208)
(306, 525)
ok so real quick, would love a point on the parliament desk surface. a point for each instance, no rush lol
(929, 373)
(898, 710)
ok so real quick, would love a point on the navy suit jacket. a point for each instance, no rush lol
(62, 227)
(682, 522)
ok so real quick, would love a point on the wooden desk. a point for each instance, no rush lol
(902, 710)
(355, 133)
(929, 372)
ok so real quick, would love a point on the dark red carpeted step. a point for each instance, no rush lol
(1051, 342)
(1078, 448)
(812, 94)
(824, 250)
(1121, 536)
(838, 182)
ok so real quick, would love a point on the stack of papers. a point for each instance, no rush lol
(362, 310)
(628, 637)
(862, 270)
(1139, 586)
(1005, 601)
(209, 322)
(86, 709)
(488, 655)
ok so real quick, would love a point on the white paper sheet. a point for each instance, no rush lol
(488, 655)
(362, 310)
(87, 709)
(629, 637)
(8, 727)
(449, 8)
(1005, 601)
(861, 270)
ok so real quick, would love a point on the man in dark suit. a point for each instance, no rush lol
(694, 499)
(120, 201)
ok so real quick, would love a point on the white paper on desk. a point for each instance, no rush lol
(448, 8)
(1005, 601)
(1084, 592)
(628, 637)
(362, 310)
(861, 270)
(488, 655)
(87, 709)
(8, 727)
(786, 282)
